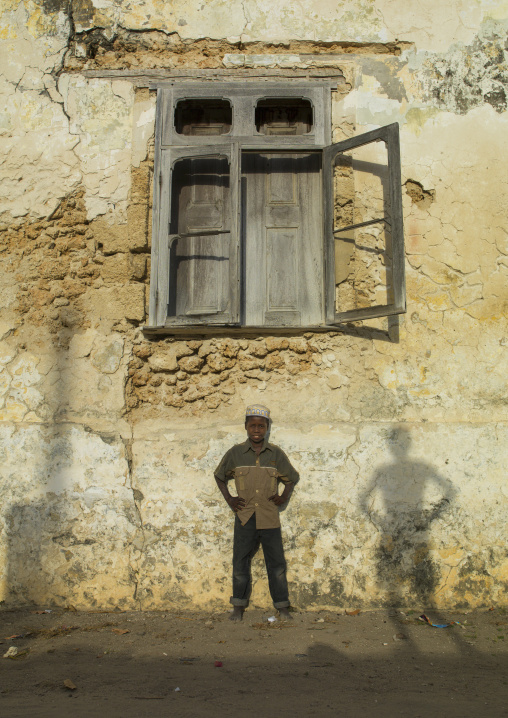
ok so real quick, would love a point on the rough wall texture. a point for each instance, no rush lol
(109, 437)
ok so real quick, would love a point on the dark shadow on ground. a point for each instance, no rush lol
(321, 681)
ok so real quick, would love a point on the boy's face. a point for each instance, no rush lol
(256, 426)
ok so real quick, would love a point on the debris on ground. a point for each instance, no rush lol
(57, 631)
(11, 653)
(353, 613)
(347, 665)
(70, 685)
(271, 626)
(426, 619)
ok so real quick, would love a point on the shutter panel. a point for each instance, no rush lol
(282, 222)
(198, 245)
(364, 227)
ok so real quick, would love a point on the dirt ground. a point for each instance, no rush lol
(379, 663)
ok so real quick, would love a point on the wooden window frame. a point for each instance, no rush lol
(171, 147)
(388, 134)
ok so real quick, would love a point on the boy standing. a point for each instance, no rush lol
(257, 467)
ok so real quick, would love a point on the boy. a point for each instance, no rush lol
(257, 467)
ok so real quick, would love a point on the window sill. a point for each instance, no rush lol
(235, 330)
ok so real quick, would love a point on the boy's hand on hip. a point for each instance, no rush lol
(236, 503)
(277, 500)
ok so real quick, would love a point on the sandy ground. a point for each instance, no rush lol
(379, 663)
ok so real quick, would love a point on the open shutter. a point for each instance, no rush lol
(198, 264)
(363, 227)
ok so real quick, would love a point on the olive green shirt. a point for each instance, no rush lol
(256, 478)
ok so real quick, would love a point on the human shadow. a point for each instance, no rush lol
(403, 500)
(40, 526)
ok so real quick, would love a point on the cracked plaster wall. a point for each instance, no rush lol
(109, 438)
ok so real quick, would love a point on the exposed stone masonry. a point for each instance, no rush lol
(175, 372)
(154, 49)
(60, 259)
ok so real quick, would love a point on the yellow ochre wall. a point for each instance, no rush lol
(108, 438)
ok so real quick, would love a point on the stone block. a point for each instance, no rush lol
(336, 380)
(274, 343)
(218, 363)
(259, 349)
(163, 361)
(228, 348)
(122, 267)
(205, 349)
(128, 237)
(112, 237)
(274, 361)
(181, 349)
(298, 345)
(248, 363)
(106, 358)
(115, 303)
(53, 268)
(140, 185)
(143, 351)
(116, 268)
(137, 220)
(191, 364)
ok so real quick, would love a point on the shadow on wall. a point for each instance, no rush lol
(71, 540)
(38, 527)
(403, 500)
(69, 535)
(47, 542)
(31, 577)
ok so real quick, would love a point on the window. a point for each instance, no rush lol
(283, 116)
(203, 117)
(261, 221)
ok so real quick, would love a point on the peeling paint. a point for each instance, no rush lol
(468, 76)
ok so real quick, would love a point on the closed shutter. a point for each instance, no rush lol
(199, 248)
(282, 237)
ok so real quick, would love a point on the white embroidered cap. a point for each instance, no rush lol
(257, 410)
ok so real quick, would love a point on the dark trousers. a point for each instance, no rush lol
(246, 542)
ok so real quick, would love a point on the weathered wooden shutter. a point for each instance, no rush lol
(281, 234)
(364, 235)
(198, 244)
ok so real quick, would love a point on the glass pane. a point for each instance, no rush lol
(284, 116)
(362, 228)
(203, 117)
